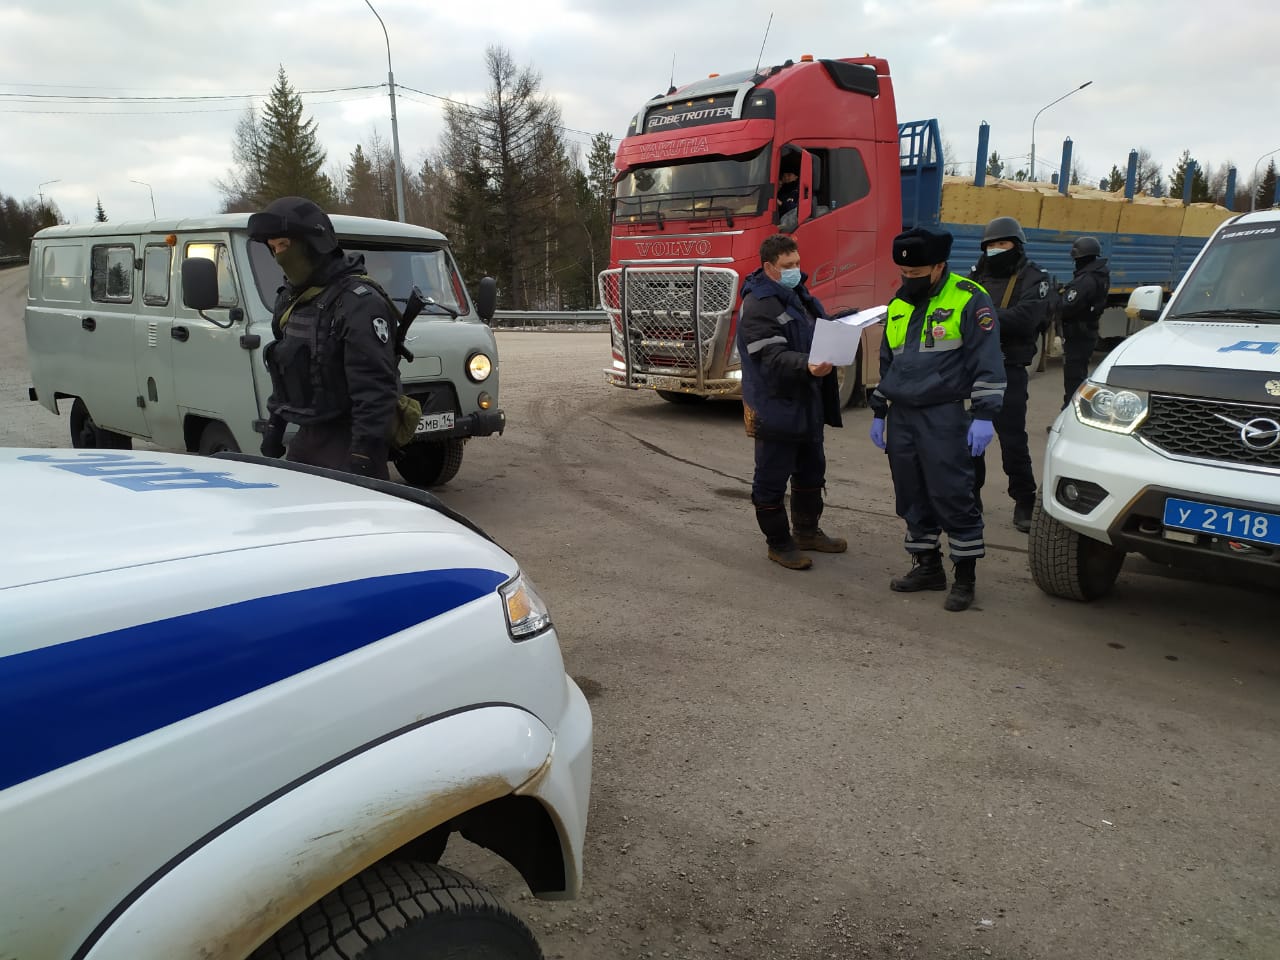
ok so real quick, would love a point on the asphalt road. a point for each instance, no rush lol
(805, 765)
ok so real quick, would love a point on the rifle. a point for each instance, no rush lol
(412, 307)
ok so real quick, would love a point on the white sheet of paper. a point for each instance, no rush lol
(836, 341)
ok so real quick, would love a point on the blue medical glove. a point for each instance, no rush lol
(980, 434)
(877, 432)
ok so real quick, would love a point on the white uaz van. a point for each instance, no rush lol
(109, 330)
(246, 703)
(1171, 449)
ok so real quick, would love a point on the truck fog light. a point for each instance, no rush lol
(485, 401)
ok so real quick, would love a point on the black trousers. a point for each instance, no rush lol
(803, 463)
(1078, 343)
(1011, 429)
(932, 470)
(329, 445)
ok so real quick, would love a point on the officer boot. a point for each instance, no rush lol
(806, 509)
(961, 595)
(926, 574)
(777, 533)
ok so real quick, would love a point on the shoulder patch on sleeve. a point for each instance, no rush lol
(361, 290)
(986, 318)
(1044, 289)
(968, 286)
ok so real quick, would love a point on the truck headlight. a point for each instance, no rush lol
(527, 615)
(1115, 409)
(479, 367)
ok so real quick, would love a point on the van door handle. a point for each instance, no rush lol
(89, 323)
(181, 334)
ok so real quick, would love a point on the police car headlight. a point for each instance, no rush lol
(527, 615)
(479, 367)
(1110, 408)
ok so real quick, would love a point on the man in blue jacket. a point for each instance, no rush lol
(786, 402)
(941, 348)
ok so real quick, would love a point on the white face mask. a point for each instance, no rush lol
(996, 251)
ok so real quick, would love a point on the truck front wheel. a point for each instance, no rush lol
(1065, 563)
(404, 910)
(430, 463)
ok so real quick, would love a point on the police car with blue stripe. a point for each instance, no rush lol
(246, 705)
(1171, 448)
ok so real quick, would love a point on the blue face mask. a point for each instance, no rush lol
(790, 277)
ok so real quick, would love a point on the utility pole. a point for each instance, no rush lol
(1037, 117)
(395, 128)
(150, 191)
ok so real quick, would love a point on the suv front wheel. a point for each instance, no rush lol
(1066, 563)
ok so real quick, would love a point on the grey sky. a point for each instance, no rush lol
(1161, 78)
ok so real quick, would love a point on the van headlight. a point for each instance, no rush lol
(527, 615)
(1111, 408)
(479, 367)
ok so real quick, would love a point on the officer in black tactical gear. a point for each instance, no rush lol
(333, 363)
(1084, 298)
(1020, 291)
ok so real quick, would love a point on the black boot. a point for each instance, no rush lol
(777, 533)
(926, 574)
(806, 509)
(961, 595)
(1022, 515)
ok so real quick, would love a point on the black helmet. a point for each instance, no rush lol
(1003, 228)
(1086, 247)
(298, 218)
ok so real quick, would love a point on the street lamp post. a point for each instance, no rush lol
(395, 129)
(1037, 117)
(40, 191)
(1253, 203)
(150, 191)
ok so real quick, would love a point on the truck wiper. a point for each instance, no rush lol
(1228, 313)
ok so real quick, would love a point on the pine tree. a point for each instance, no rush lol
(1266, 193)
(363, 196)
(995, 166)
(1114, 180)
(101, 215)
(292, 158)
(242, 190)
(1199, 182)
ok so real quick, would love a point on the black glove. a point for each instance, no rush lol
(368, 460)
(273, 439)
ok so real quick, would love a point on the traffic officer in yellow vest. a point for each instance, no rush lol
(941, 348)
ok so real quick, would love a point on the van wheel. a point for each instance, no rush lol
(430, 463)
(405, 910)
(681, 399)
(87, 435)
(216, 437)
(1065, 563)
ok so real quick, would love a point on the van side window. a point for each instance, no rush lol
(156, 263)
(111, 277)
(63, 271)
(220, 255)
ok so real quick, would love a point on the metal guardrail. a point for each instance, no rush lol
(535, 319)
(17, 261)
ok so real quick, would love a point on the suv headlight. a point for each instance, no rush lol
(1116, 409)
(479, 367)
(527, 615)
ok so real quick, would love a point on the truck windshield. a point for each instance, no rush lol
(695, 189)
(1238, 277)
(397, 271)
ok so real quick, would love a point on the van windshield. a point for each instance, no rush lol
(1238, 277)
(695, 189)
(396, 270)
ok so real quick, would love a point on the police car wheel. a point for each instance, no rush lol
(85, 434)
(1065, 563)
(217, 438)
(430, 463)
(405, 910)
(675, 396)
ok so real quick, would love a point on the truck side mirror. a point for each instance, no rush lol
(487, 299)
(199, 284)
(1144, 304)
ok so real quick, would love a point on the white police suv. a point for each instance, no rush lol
(245, 705)
(1171, 449)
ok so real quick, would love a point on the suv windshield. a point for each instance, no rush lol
(397, 271)
(1238, 275)
(695, 189)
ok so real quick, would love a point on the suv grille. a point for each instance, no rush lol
(1187, 427)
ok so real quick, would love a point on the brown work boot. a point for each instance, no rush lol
(777, 533)
(806, 509)
(926, 574)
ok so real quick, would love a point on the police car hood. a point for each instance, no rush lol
(1203, 344)
(66, 513)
